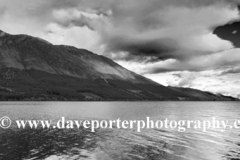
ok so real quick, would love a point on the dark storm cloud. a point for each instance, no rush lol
(221, 62)
(138, 27)
(165, 70)
(160, 49)
(229, 32)
(149, 21)
(141, 15)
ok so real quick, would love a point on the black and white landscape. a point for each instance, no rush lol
(161, 59)
(34, 69)
(183, 44)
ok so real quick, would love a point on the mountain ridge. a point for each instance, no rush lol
(34, 69)
(24, 39)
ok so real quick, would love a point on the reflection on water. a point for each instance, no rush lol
(40, 144)
(114, 144)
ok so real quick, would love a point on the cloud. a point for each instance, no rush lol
(228, 58)
(83, 37)
(2, 10)
(163, 29)
(208, 80)
(74, 18)
(238, 96)
(232, 70)
(187, 80)
(68, 18)
(174, 32)
(40, 19)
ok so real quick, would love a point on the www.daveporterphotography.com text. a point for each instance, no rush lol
(138, 125)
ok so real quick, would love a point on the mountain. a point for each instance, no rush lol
(34, 69)
(203, 96)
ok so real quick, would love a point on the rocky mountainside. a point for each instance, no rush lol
(34, 69)
(26, 52)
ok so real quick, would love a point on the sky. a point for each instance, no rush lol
(182, 43)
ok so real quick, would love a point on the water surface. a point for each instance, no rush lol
(123, 144)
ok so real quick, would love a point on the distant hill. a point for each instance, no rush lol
(34, 69)
(203, 96)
